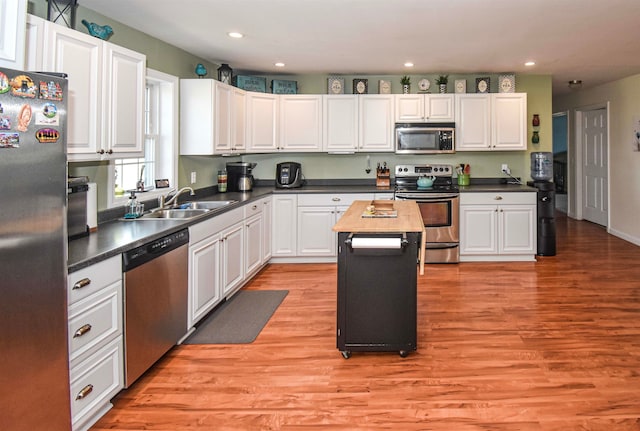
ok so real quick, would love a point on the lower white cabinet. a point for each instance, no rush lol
(285, 207)
(316, 215)
(233, 267)
(497, 226)
(267, 234)
(95, 340)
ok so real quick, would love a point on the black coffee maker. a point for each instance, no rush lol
(239, 176)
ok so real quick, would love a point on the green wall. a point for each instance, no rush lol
(170, 59)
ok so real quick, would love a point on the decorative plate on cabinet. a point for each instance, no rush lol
(360, 86)
(507, 84)
(335, 85)
(483, 85)
(461, 85)
(424, 84)
(384, 87)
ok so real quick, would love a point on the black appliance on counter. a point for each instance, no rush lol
(377, 292)
(288, 175)
(546, 218)
(240, 177)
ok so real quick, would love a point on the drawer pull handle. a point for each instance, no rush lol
(82, 330)
(498, 198)
(82, 283)
(336, 199)
(84, 392)
(255, 207)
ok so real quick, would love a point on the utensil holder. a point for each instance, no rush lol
(464, 179)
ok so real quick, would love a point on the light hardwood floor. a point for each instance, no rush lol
(548, 345)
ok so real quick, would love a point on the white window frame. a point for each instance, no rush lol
(168, 132)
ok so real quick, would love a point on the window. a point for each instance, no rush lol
(160, 144)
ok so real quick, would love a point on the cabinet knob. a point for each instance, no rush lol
(255, 207)
(110, 151)
(100, 152)
(498, 198)
(84, 392)
(335, 199)
(82, 283)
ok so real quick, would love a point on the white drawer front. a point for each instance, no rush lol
(94, 320)
(88, 281)
(343, 199)
(95, 381)
(489, 198)
(252, 208)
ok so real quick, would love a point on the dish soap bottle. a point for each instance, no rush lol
(132, 208)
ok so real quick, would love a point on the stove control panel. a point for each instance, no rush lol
(417, 170)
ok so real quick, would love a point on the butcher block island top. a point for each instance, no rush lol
(407, 220)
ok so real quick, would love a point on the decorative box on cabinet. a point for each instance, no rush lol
(498, 226)
(95, 340)
(424, 107)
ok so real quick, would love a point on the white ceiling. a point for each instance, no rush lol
(595, 41)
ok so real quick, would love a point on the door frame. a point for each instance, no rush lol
(576, 210)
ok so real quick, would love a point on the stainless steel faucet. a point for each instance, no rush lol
(173, 200)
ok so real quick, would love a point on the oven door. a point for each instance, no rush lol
(440, 213)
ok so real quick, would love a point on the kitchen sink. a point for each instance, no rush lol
(208, 205)
(174, 214)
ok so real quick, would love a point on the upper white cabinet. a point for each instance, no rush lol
(340, 123)
(376, 122)
(34, 42)
(211, 117)
(262, 120)
(13, 15)
(424, 107)
(509, 121)
(300, 123)
(105, 101)
(491, 122)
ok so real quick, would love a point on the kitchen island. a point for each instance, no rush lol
(377, 277)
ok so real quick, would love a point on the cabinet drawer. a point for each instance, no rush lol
(95, 381)
(94, 320)
(490, 198)
(88, 281)
(332, 199)
(215, 224)
(252, 209)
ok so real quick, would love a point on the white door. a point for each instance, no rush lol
(595, 166)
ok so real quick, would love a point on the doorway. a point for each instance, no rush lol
(592, 144)
(560, 159)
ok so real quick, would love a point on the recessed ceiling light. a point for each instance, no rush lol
(408, 64)
(279, 64)
(235, 34)
(530, 63)
(575, 84)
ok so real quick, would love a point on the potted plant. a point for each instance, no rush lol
(442, 83)
(406, 84)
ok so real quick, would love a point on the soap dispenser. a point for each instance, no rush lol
(133, 209)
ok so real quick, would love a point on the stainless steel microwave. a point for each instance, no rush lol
(425, 138)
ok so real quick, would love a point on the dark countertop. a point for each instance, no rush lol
(117, 236)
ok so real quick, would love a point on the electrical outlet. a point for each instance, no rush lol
(193, 177)
(505, 169)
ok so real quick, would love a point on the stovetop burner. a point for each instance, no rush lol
(406, 178)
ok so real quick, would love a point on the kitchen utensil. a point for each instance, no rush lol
(425, 181)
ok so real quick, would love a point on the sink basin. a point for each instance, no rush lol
(169, 214)
(208, 205)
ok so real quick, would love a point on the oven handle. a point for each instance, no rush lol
(441, 245)
(426, 199)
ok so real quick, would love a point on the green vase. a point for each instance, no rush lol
(535, 139)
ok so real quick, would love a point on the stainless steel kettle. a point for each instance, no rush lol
(245, 183)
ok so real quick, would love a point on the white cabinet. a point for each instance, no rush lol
(262, 121)
(317, 213)
(211, 117)
(267, 234)
(253, 238)
(13, 15)
(340, 123)
(376, 123)
(95, 339)
(473, 129)
(491, 122)
(204, 270)
(424, 107)
(233, 259)
(34, 42)
(497, 226)
(509, 121)
(106, 85)
(285, 207)
(300, 123)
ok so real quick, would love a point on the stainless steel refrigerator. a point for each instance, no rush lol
(34, 364)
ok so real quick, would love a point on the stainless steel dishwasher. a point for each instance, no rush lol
(155, 301)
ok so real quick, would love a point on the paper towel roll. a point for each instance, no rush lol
(92, 207)
(376, 242)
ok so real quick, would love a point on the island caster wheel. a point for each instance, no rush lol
(346, 354)
(404, 353)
